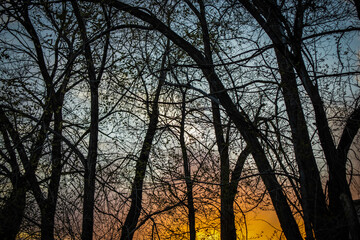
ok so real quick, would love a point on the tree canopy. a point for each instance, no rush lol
(179, 119)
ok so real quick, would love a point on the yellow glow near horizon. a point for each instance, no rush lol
(208, 235)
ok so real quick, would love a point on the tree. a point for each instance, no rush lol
(187, 170)
(147, 125)
(50, 102)
(289, 61)
(129, 226)
(247, 130)
(90, 164)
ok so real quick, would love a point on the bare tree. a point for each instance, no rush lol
(51, 105)
(261, 97)
(130, 223)
(336, 157)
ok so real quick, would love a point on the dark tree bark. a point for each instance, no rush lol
(48, 208)
(249, 133)
(337, 184)
(350, 130)
(187, 171)
(15, 204)
(247, 130)
(313, 198)
(30, 163)
(357, 6)
(47, 205)
(236, 173)
(269, 16)
(12, 213)
(133, 215)
(90, 164)
(227, 217)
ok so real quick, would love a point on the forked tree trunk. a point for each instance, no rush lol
(247, 130)
(325, 226)
(14, 205)
(268, 176)
(12, 213)
(129, 227)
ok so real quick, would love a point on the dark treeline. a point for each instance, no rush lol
(175, 119)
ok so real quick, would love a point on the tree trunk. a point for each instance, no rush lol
(14, 205)
(313, 198)
(336, 227)
(335, 158)
(90, 169)
(90, 165)
(248, 131)
(47, 221)
(227, 217)
(357, 6)
(129, 226)
(48, 206)
(187, 172)
(337, 184)
(347, 137)
(132, 217)
(12, 213)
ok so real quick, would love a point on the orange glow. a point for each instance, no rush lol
(261, 224)
(208, 235)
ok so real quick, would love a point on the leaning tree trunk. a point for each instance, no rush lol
(270, 22)
(349, 132)
(14, 205)
(12, 213)
(313, 198)
(247, 130)
(335, 157)
(129, 227)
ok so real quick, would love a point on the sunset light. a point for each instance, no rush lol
(179, 120)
